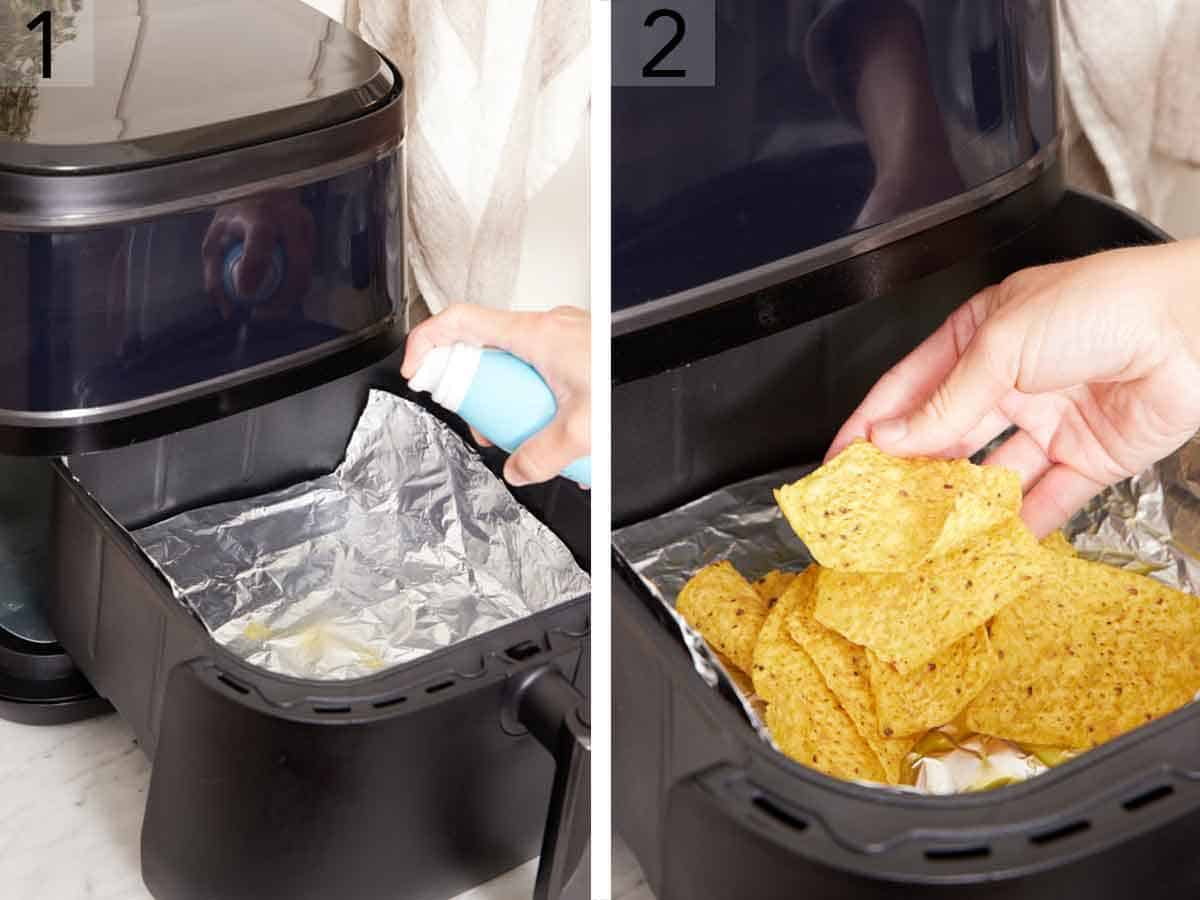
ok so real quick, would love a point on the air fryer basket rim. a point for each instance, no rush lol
(885, 836)
(976, 799)
(751, 775)
(300, 691)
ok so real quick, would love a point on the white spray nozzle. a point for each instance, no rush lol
(446, 373)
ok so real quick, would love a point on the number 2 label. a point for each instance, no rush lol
(650, 69)
(664, 43)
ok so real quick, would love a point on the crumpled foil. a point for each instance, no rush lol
(410, 545)
(1148, 524)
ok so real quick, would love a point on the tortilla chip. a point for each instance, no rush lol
(1057, 542)
(792, 729)
(934, 694)
(772, 585)
(739, 677)
(844, 668)
(1088, 654)
(721, 605)
(987, 496)
(803, 715)
(773, 652)
(909, 618)
(808, 724)
(865, 511)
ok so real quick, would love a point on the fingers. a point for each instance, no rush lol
(912, 379)
(1023, 455)
(556, 343)
(479, 438)
(993, 425)
(1057, 496)
(985, 372)
(469, 324)
(548, 452)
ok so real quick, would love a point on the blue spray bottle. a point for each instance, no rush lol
(497, 394)
(270, 281)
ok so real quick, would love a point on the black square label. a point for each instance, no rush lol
(664, 43)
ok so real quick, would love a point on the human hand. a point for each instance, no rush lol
(259, 223)
(1096, 361)
(557, 344)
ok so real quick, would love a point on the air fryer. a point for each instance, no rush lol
(160, 355)
(747, 326)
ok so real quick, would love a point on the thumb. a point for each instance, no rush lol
(984, 373)
(544, 455)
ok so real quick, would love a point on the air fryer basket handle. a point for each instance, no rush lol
(557, 715)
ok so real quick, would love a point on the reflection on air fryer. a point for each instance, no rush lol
(933, 643)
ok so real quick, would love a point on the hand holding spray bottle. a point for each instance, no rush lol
(500, 396)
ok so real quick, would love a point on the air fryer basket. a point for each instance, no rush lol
(424, 779)
(711, 811)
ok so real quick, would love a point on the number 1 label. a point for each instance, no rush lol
(49, 44)
(44, 21)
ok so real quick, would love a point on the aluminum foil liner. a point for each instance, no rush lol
(410, 545)
(1149, 524)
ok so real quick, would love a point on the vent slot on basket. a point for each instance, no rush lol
(523, 651)
(230, 683)
(779, 814)
(1058, 834)
(440, 686)
(326, 710)
(956, 854)
(394, 701)
(1144, 799)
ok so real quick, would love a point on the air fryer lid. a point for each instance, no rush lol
(187, 78)
(215, 222)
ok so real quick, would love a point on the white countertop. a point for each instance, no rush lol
(71, 804)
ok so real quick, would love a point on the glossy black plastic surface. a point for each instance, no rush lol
(25, 489)
(104, 323)
(556, 713)
(181, 78)
(772, 302)
(710, 810)
(39, 684)
(825, 119)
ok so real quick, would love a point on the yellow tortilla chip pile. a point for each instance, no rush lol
(937, 692)
(931, 603)
(1089, 653)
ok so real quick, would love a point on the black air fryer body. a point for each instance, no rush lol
(141, 375)
(733, 357)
